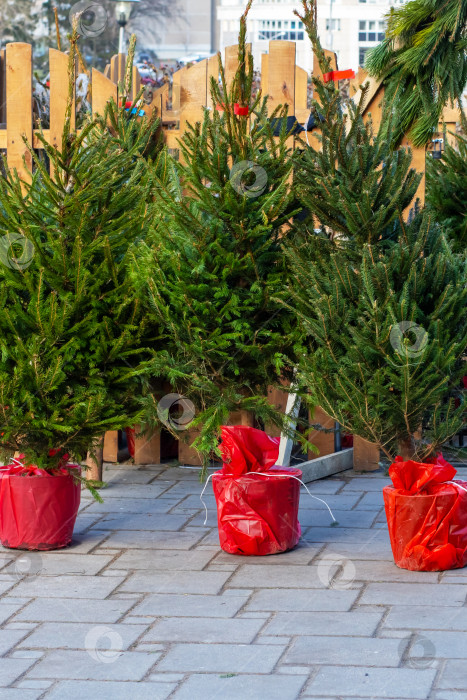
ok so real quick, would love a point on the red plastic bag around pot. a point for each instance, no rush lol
(427, 516)
(257, 506)
(38, 512)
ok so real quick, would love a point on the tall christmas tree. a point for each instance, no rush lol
(216, 263)
(423, 64)
(71, 332)
(382, 314)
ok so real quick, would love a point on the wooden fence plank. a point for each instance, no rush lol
(58, 63)
(301, 95)
(213, 72)
(117, 68)
(231, 62)
(102, 90)
(194, 93)
(2, 88)
(281, 70)
(18, 105)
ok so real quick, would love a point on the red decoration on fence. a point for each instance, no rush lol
(240, 110)
(338, 75)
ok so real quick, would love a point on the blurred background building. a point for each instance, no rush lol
(348, 27)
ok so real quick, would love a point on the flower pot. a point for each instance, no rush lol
(257, 505)
(427, 516)
(38, 512)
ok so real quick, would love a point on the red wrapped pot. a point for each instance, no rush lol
(257, 505)
(427, 516)
(38, 510)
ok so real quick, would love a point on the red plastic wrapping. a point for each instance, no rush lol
(130, 440)
(427, 515)
(257, 512)
(37, 509)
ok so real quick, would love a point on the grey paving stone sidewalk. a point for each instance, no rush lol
(145, 606)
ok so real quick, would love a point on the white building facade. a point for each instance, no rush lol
(348, 27)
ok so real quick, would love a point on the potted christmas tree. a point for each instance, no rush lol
(381, 305)
(71, 333)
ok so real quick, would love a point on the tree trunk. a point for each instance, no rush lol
(407, 448)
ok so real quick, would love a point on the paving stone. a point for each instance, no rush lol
(66, 610)
(359, 651)
(74, 635)
(133, 505)
(190, 605)
(10, 638)
(26, 654)
(82, 544)
(345, 518)
(120, 490)
(338, 535)
(166, 677)
(128, 477)
(370, 550)
(335, 624)
(420, 617)
(89, 690)
(268, 576)
(370, 501)
(335, 501)
(450, 695)
(302, 600)
(163, 560)
(195, 629)
(53, 564)
(221, 658)
(75, 586)
(11, 669)
(34, 684)
(80, 665)
(446, 645)
(455, 576)
(6, 611)
(414, 594)
(324, 486)
(19, 694)
(264, 639)
(239, 687)
(302, 554)
(19, 625)
(371, 682)
(176, 582)
(364, 483)
(130, 521)
(153, 540)
(388, 571)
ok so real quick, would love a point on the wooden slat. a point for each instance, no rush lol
(231, 62)
(102, 90)
(213, 72)
(2, 87)
(18, 105)
(117, 68)
(136, 83)
(301, 95)
(194, 93)
(58, 63)
(265, 74)
(281, 71)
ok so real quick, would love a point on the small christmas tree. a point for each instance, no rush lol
(71, 332)
(382, 313)
(216, 263)
(446, 185)
(423, 64)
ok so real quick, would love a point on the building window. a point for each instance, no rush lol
(361, 55)
(280, 29)
(367, 31)
(333, 25)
